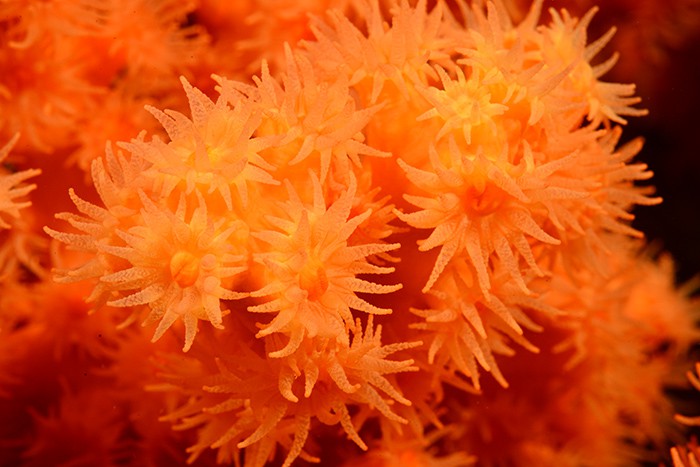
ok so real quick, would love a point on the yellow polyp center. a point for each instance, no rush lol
(313, 279)
(215, 154)
(184, 268)
(485, 201)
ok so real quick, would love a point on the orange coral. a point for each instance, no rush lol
(237, 405)
(83, 429)
(176, 261)
(406, 195)
(12, 187)
(312, 271)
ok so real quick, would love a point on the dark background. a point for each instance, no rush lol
(672, 150)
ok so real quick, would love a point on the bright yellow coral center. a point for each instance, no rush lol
(483, 202)
(313, 279)
(184, 268)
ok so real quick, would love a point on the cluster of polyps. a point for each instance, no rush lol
(494, 142)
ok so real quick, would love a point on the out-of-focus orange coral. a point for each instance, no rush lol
(157, 46)
(600, 410)
(12, 187)
(20, 247)
(397, 451)
(45, 94)
(84, 429)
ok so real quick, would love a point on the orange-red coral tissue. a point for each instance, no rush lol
(380, 231)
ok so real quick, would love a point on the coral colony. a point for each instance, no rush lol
(336, 232)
